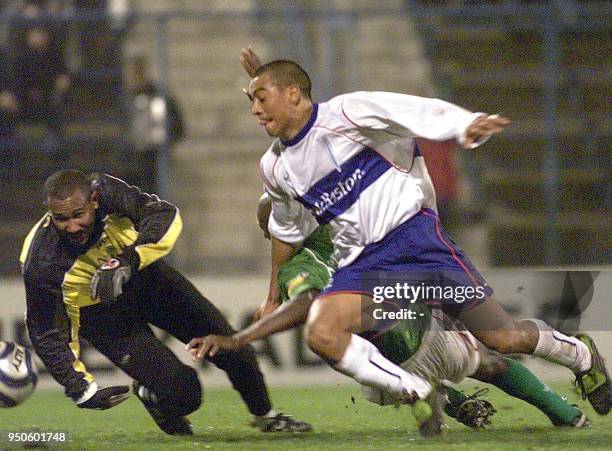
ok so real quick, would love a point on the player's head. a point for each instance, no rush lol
(280, 96)
(285, 73)
(72, 204)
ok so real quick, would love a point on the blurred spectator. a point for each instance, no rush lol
(156, 121)
(42, 81)
(9, 106)
(38, 13)
(37, 8)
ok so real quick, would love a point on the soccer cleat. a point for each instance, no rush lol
(280, 423)
(594, 384)
(473, 412)
(170, 425)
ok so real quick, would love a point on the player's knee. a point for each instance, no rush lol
(320, 337)
(186, 393)
(491, 366)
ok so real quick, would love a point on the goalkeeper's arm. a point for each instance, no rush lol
(51, 344)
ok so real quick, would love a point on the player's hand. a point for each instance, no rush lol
(210, 345)
(249, 60)
(267, 307)
(107, 282)
(103, 398)
(483, 127)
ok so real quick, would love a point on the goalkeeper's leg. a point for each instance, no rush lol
(180, 309)
(173, 388)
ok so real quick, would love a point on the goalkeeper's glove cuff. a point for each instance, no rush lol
(131, 257)
(88, 394)
(103, 398)
(107, 282)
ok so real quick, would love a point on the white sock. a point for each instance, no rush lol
(561, 349)
(363, 362)
(271, 414)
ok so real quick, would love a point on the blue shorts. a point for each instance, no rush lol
(419, 253)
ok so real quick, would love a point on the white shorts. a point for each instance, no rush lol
(444, 355)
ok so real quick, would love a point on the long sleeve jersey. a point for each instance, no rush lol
(57, 274)
(356, 167)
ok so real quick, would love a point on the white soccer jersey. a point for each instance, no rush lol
(355, 166)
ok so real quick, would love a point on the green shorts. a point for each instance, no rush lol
(306, 271)
(401, 342)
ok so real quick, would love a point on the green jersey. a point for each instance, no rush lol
(309, 269)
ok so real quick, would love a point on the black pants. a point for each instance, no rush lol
(161, 296)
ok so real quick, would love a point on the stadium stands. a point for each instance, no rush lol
(501, 67)
(489, 64)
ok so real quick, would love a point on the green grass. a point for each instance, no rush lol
(342, 419)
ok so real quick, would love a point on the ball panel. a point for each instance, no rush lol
(18, 376)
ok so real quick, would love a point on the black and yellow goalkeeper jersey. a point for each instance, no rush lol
(57, 273)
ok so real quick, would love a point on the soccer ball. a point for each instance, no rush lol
(18, 376)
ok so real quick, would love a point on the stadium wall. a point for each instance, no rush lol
(285, 359)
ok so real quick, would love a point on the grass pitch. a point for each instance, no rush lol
(342, 419)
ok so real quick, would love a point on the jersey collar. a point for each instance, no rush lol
(297, 138)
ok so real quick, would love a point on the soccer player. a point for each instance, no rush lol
(423, 346)
(92, 268)
(351, 162)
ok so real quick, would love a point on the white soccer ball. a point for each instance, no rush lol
(18, 376)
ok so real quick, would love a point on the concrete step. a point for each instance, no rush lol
(214, 50)
(212, 150)
(529, 127)
(530, 99)
(525, 78)
(194, 29)
(527, 152)
(580, 190)
(519, 240)
(207, 76)
(203, 122)
(492, 49)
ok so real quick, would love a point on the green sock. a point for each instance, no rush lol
(521, 383)
(455, 398)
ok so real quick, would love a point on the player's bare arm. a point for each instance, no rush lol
(290, 315)
(281, 253)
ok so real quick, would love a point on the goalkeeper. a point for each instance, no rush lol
(92, 268)
(429, 347)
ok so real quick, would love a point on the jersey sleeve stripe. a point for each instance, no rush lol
(151, 252)
(25, 249)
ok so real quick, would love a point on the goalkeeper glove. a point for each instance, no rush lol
(107, 282)
(103, 398)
